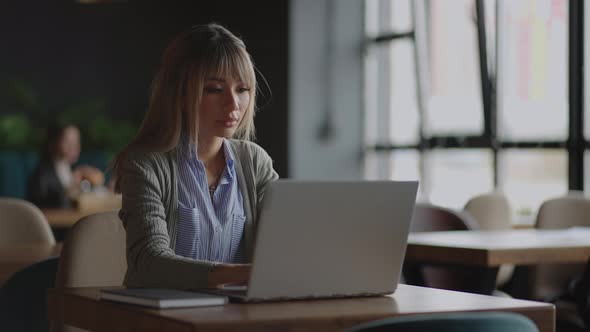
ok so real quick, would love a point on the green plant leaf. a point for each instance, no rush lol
(15, 130)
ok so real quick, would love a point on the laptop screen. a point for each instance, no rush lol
(322, 239)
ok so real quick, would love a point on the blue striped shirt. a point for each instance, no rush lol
(209, 229)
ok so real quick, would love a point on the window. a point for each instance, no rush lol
(532, 75)
(530, 177)
(390, 93)
(489, 106)
(455, 175)
(454, 105)
(399, 165)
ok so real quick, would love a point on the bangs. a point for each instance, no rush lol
(231, 61)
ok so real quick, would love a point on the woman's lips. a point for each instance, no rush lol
(228, 123)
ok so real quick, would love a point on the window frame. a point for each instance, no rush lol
(575, 145)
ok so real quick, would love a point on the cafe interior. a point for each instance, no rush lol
(483, 102)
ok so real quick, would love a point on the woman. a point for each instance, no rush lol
(54, 184)
(191, 192)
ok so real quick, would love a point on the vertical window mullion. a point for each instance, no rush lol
(576, 142)
(420, 27)
(384, 73)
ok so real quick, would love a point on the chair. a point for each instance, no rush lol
(23, 298)
(550, 281)
(93, 255)
(428, 218)
(22, 222)
(492, 211)
(459, 322)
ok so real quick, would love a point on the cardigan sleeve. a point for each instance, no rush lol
(151, 261)
(265, 173)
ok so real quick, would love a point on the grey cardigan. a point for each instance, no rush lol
(149, 214)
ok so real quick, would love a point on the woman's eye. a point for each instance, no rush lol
(243, 89)
(212, 90)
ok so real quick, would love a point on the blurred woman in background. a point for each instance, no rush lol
(54, 183)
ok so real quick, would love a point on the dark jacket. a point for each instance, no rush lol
(44, 188)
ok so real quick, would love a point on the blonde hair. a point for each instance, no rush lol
(193, 56)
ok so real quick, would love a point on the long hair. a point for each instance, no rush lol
(200, 52)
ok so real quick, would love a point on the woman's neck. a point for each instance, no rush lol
(209, 150)
(60, 161)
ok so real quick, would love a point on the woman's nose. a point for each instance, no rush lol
(232, 103)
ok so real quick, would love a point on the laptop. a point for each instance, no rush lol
(329, 239)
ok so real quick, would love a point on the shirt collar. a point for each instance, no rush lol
(189, 152)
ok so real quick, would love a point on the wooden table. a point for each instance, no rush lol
(64, 218)
(15, 258)
(82, 308)
(493, 248)
(87, 204)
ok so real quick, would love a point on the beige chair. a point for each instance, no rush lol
(93, 255)
(21, 222)
(573, 209)
(492, 211)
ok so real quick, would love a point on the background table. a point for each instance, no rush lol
(493, 248)
(82, 308)
(87, 204)
(64, 218)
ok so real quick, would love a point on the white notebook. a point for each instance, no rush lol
(162, 298)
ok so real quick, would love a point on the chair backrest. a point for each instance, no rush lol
(21, 222)
(93, 253)
(23, 297)
(566, 211)
(573, 209)
(457, 322)
(491, 211)
(428, 218)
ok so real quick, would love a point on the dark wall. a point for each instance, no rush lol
(69, 52)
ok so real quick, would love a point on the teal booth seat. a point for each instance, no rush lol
(16, 166)
(452, 322)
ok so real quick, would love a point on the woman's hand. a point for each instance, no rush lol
(228, 273)
(92, 174)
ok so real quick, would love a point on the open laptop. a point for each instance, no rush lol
(329, 239)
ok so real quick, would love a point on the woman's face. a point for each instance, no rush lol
(223, 104)
(68, 146)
